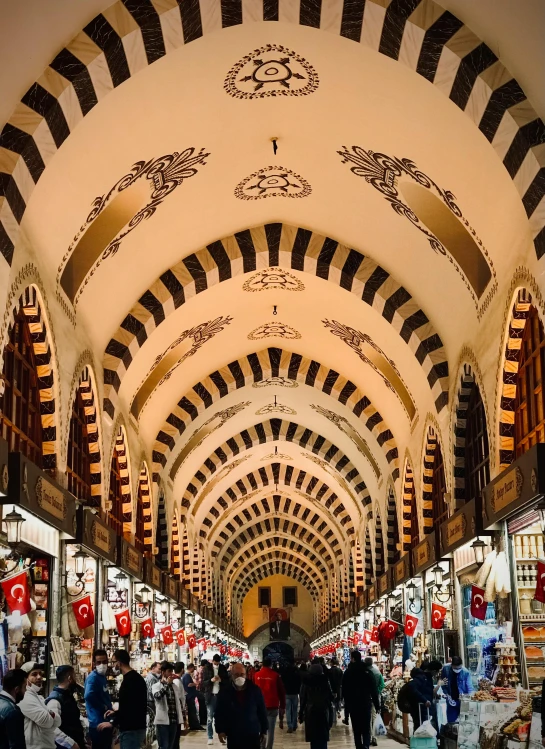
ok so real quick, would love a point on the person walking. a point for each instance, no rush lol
(179, 669)
(379, 679)
(152, 677)
(335, 681)
(199, 694)
(360, 694)
(420, 697)
(456, 681)
(291, 678)
(274, 694)
(61, 699)
(130, 717)
(190, 690)
(241, 716)
(316, 707)
(98, 703)
(168, 710)
(215, 678)
(12, 722)
(41, 721)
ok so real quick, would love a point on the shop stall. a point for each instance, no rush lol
(424, 557)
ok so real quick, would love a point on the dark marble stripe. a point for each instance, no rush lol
(299, 248)
(221, 258)
(471, 66)
(539, 243)
(270, 10)
(310, 13)
(275, 357)
(109, 41)
(255, 366)
(41, 101)
(534, 193)
(273, 233)
(528, 136)
(500, 101)
(435, 39)
(247, 249)
(373, 284)
(190, 11)
(9, 189)
(197, 272)
(394, 25)
(327, 253)
(231, 13)
(22, 143)
(352, 19)
(351, 266)
(148, 19)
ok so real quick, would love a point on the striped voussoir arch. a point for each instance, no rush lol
(144, 507)
(427, 479)
(275, 245)
(286, 475)
(521, 310)
(161, 534)
(272, 549)
(185, 572)
(275, 362)
(392, 529)
(358, 568)
(87, 393)
(130, 35)
(368, 561)
(277, 568)
(467, 383)
(380, 566)
(28, 303)
(270, 431)
(409, 505)
(175, 558)
(121, 451)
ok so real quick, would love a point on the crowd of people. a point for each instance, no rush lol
(241, 703)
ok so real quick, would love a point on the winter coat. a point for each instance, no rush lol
(335, 675)
(161, 704)
(71, 728)
(291, 677)
(12, 724)
(359, 687)
(316, 707)
(271, 685)
(242, 716)
(207, 683)
(39, 724)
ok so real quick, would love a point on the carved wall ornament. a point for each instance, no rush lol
(273, 278)
(282, 382)
(271, 70)
(272, 182)
(275, 407)
(274, 330)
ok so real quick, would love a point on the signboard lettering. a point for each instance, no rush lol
(132, 559)
(100, 536)
(50, 499)
(456, 529)
(507, 490)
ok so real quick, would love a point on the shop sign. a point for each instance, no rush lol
(384, 584)
(184, 596)
(130, 559)
(458, 529)
(96, 535)
(33, 489)
(402, 570)
(424, 554)
(152, 575)
(371, 594)
(517, 486)
(170, 587)
(4, 472)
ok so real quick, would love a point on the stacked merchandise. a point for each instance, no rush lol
(495, 718)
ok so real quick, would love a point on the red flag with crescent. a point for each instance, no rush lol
(374, 635)
(166, 635)
(390, 629)
(123, 622)
(438, 614)
(411, 623)
(17, 593)
(83, 611)
(366, 636)
(539, 595)
(192, 641)
(180, 637)
(478, 604)
(146, 627)
(223, 649)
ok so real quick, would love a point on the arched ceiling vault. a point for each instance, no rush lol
(280, 547)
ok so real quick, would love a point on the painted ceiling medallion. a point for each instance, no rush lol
(273, 278)
(274, 330)
(277, 456)
(275, 407)
(271, 70)
(433, 211)
(272, 182)
(282, 382)
(119, 211)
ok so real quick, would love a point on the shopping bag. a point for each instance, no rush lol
(379, 727)
(425, 730)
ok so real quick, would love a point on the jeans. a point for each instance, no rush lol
(166, 735)
(131, 739)
(210, 712)
(292, 704)
(100, 739)
(272, 716)
(202, 708)
(361, 725)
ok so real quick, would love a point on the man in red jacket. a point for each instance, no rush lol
(274, 694)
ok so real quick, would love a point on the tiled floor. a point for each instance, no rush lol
(341, 737)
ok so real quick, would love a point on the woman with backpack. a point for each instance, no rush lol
(316, 707)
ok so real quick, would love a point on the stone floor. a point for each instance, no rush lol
(341, 736)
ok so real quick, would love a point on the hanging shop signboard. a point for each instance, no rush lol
(459, 529)
(384, 584)
(519, 485)
(96, 535)
(194, 603)
(424, 555)
(185, 596)
(32, 489)
(371, 594)
(130, 559)
(170, 587)
(402, 570)
(152, 575)
(4, 469)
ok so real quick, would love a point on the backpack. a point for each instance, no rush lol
(404, 698)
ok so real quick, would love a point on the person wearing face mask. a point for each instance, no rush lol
(62, 701)
(456, 680)
(130, 717)
(98, 702)
(41, 721)
(12, 722)
(241, 716)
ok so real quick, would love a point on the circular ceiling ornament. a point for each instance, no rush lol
(271, 70)
(274, 330)
(273, 182)
(282, 382)
(273, 278)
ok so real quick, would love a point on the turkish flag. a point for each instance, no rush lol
(180, 637)
(201, 642)
(191, 641)
(166, 635)
(223, 650)
(478, 604)
(17, 593)
(411, 623)
(390, 629)
(366, 637)
(146, 627)
(123, 622)
(374, 635)
(438, 614)
(539, 595)
(83, 611)
(357, 638)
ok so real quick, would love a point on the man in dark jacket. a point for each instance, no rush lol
(12, 723)
(62, 701)
(335, 680)
(360, 694)
(214, 679)
(291, 677)
(421, 696)
(241, 716)
(133, 704)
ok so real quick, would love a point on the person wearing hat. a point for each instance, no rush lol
(61, 700)
(41, 721)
